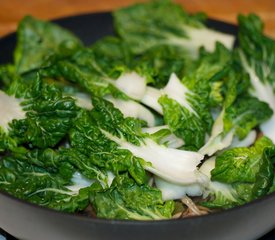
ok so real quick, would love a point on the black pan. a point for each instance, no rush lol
(31, 222)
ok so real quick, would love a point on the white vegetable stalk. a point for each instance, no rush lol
(151, 98)
(202, 37)
(268, 127)
(207, 38)
(110, 178)
(171, 191)
(132, 84)
(216, 141)
(131, 108)
(83, 100)
(79, 182)
(10, 109)
(246, 142)
(264, 92)
(173, 165)
(152, 130)
(174, 90)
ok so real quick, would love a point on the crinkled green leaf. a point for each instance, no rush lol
(160, 62)
(208, 84)
(111, 119)
(87, 70)
(240, 114)
(257, 56)
(86, 137)
(245, 114)
(190, 126)
(127, 200)
(85, 164)
(248, 170)
(44, 186)
(48, 114)
(93, 68)
(112, 56)
(208, 77)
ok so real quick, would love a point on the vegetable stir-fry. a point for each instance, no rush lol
(165, 119)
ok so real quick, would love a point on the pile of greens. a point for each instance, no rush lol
(136, 122)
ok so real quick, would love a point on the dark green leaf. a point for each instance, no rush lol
(39, 42)
(127, 200)
(248, 170)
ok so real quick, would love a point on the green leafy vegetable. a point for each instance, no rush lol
(119, 144)
(188, 125)
(39, 43)
(146, 25)
(127, 200)
(241, 175)
(106, 76)
(44, 186)
(34, 113)
(160, 62)
(257, 56)
(240, 114)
